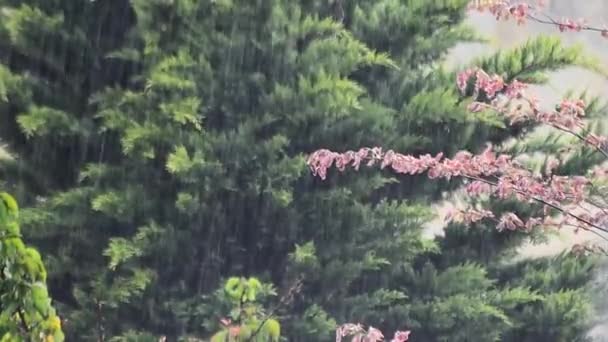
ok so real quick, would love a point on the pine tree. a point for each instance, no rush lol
(162, 158)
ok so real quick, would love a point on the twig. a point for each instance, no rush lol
(284, 301)
(101, 335)
(580, 137)
(22, 320)
(542, 201)
(551, 21)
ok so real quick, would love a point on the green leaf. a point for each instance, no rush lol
(273, 329)
(221, 336)
(234, 288)
(9, 202)
(40, 298)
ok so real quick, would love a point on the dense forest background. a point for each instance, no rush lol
(158, 147)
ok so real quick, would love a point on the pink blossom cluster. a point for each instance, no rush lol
(523, 11)
(567, 24)
(490, 85)
(359, 334)
(468, 216)
(502, 9)
(489, 174)
(502, 95)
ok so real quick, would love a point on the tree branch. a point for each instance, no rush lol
(540, 200)
(551, 21)
(23, 321)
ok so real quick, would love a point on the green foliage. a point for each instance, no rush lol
(315, 324)
(43, 121)
(462, 301)
(530, 62)
(247, 321)
(160, 148)
(26, 313)
(305, 255)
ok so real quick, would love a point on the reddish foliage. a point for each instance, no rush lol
(522, 11)
(498, 175)
(358, 334)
